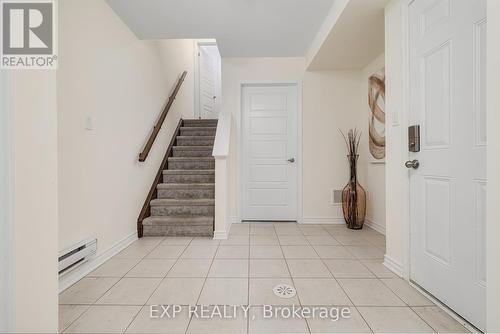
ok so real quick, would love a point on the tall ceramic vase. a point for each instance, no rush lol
(354, 198)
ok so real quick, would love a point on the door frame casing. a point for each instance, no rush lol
(240, 158)
(196, 62)
(405, 122)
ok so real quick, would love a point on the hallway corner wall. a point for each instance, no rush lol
(375, 171)
(33, 201)
(396, 181)
(111, 89)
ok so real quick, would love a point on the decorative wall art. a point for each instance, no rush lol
(376, 124)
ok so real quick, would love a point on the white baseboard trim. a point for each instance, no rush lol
(374, 225)
(323, 220)
(68, 279)
(220, 235)
(393, 266)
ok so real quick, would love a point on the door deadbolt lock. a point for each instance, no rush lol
(412, 164)
(414, 138)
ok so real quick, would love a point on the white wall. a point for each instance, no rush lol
(5, 207)
(332, 100)
(33, 201)
(396, 182)
(493, 227)
(375, 173)
(176, 56)
(122, 83)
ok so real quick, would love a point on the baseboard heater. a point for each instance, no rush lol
(76, 255)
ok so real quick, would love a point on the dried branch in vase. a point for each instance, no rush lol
(353, 194)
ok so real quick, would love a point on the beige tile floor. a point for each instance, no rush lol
(329, 265)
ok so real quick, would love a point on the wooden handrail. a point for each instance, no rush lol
(149, 144)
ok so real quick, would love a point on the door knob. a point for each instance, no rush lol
(291, 160)
(412, 164)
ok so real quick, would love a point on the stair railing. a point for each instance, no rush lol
(221, 153)
(149, 144)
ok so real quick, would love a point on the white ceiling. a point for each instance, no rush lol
(242, 28)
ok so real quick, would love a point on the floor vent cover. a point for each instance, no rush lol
(284, 291)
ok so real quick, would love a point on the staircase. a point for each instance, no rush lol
(185, 201)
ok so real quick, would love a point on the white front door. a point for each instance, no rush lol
(209, 63)
(269, 152)
(448, 190)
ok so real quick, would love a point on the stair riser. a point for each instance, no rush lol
(178, 230)
(183, 210)
(198, 132)
(191, 165)
(192, 153)
(186, 193)
(198, 124)
(194, 142)
(189, 178)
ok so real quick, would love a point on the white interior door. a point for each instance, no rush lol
(209, 81)
(269, 153)
(448, 190)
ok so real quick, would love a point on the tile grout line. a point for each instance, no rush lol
(120, 278)
(72, 322)
(161, 280)
(248, 284)
(290, 272)
(418, 315)
(249, 246)
(410, 307)
(380, 279)
(203, 286)
(341, 287)
(247, 324)
(376, 277)
(359, 260)
(435, 330)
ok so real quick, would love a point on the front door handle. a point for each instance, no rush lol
(291, 160)
(412, 164)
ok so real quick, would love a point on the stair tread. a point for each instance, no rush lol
(196, 128)
(198, 120)
(191, 158)
(164, 220)
(189, 171)
(185, 185)
(196, 137)
(193, 148)
(187, 202)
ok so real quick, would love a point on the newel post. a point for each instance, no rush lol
(221, 155)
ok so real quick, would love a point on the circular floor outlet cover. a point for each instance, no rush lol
(284, 291)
